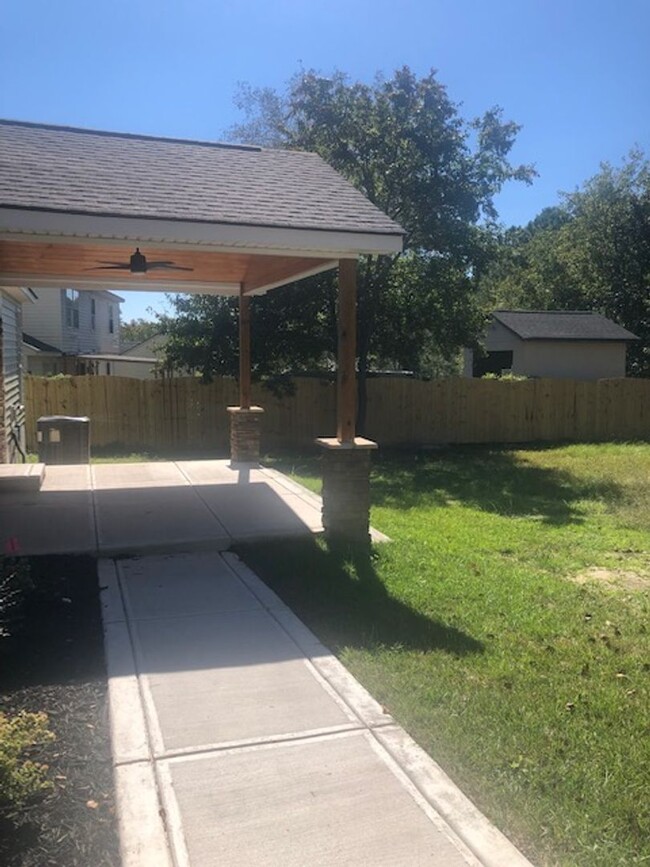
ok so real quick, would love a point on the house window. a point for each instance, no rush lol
(93, 311)
(111, 319)
(72, 308)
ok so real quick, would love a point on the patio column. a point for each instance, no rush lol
(245, 420)
(346, 457)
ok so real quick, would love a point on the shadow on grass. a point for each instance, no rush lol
(491, 479)
(338, 593)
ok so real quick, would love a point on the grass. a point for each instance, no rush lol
(482, 631)
(117, 454)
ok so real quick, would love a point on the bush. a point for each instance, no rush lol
(14, 581)
(20, 777)
(505, 377)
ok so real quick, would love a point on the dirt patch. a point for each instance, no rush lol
(54, 662)
(621, 579)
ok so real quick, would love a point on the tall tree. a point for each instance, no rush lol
(592, 252)
(403, 143)
(137, 330)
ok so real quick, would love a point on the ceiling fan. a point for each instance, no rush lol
(138, 264)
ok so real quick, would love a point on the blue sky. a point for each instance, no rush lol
(575, 74)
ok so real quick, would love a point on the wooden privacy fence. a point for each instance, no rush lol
(184, 414)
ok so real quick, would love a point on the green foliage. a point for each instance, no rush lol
(14, 580)
(20, 777)
(590, 253)
(403, 143)
(505, 377)
(137, 330)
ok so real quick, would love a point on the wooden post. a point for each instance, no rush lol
(347, 352)
(244, 350)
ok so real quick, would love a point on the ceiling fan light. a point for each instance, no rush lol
(138, 262)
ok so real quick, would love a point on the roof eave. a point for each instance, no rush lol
(300, 241)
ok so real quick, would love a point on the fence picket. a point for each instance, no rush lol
(184, 414)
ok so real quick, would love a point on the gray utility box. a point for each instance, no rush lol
(63, 439)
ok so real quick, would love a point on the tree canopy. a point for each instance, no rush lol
(404, 144)
(592, 252)
(136, 330)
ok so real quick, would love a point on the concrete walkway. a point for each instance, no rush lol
(238, 739)
(137, 508)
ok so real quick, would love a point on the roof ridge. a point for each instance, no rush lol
(546, 312)
(129, 135)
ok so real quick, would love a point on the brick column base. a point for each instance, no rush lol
(346, 489)
(245, 431)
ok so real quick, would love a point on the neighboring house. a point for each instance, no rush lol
(12, 413)
(142, 360)
(562, 344)
(64, 324)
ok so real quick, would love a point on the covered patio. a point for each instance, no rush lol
(84, 209)
(146, 508)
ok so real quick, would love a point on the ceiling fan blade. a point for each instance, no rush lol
(164, 266)
(111, 266)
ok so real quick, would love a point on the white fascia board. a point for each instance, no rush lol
(126, 284)
(310, 272)
(221, 237)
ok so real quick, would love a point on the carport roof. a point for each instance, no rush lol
(79, 171)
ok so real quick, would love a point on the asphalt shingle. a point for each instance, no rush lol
(89, 172)
(561, 325)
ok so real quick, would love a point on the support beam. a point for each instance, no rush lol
(347, 352)
(244, 350)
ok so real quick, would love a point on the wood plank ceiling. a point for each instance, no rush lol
(26, 263)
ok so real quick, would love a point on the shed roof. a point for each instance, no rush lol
(561, 325)
(80, 171)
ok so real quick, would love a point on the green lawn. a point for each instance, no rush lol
(506, 627)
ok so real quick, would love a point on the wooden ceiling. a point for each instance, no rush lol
(30, 263)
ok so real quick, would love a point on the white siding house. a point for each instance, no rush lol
(143, 360)
(70, 323)
(12, 415)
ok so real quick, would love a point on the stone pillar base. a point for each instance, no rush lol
(346, 489)
(245, 430)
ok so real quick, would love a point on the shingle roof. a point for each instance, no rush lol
(561, 325)
(56, 168)
(40, 345)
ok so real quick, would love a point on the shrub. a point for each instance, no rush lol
(15, 579)
(20, 777)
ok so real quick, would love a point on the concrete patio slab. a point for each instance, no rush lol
(70, 477)
(154, 518)
(144, 508)
(325, 802)
(153, 474)
(48, 522)
(220, 473)
(258, 511)
(21, 477)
